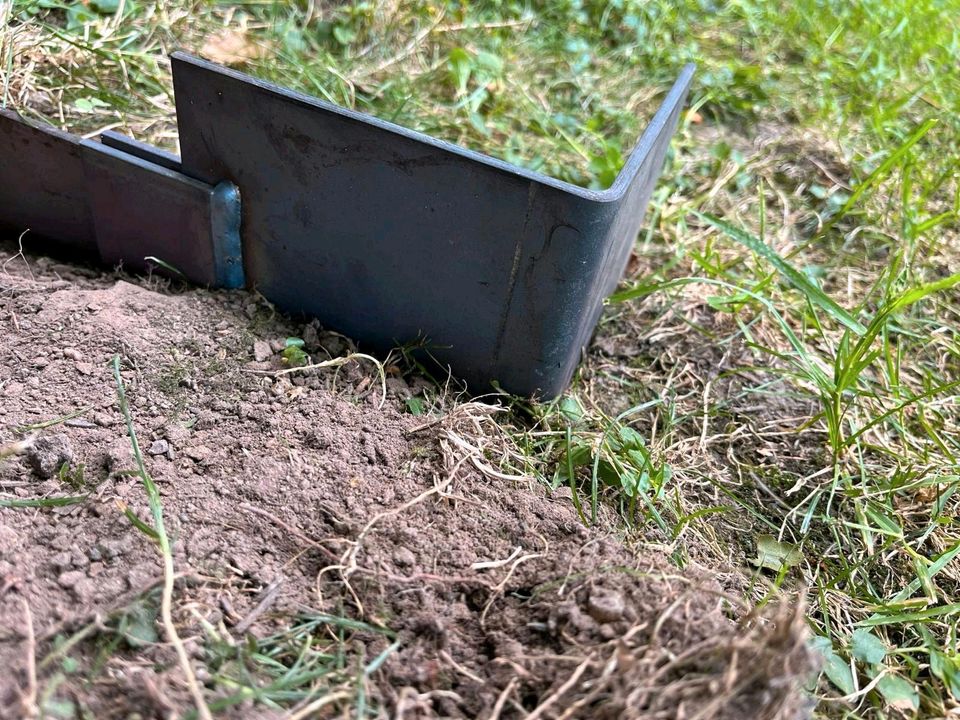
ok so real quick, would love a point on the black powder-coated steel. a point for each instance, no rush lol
(386, 234)
(125, 206)
(392, 236)
(42, 183)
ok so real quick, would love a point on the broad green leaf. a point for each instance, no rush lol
(799, 280)
(490, 62)
(630, 438)
(571, 409)
(139, 625)
(461, 66)
(415, 406)
(105, 7)
(775, 555)
(344, 34)
(899, 692)
(293, 354)
(58, 708)
(867, 647)
(89, 104)
(834, 667)
(947, 670)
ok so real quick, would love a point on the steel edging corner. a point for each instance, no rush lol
(393, 237)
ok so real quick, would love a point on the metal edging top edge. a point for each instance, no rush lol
(11, 114)
(146, 165)
(675, 96)
(96, 146)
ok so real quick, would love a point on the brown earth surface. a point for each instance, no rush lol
(453, 590)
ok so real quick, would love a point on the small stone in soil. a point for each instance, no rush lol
(262, 351)
(159, 447)
(606, 607)
(70, 578)
(80, 423)
(48, 454)
(117, 457)
(404, 557)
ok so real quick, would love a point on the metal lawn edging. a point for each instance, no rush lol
(95, 197)
(391, 236)
(385, 234)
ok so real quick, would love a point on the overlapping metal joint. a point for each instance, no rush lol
(385, 234)
(126, 201)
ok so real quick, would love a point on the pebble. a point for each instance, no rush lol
(62, 560)
(104, 419)
(310, 337)
(73, 354)
(198, 453)
(262, 351)
(159, 447)
(49, 453)
(12, 389)
(71, 578)
(84, 589)
(399, 387)
(117, 457)
(404, 557)
(606, 607)
(80, 423)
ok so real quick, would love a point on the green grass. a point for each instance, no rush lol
(797, 379)
(306, 663)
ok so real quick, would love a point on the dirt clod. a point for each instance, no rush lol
(262, 351)
(48, 453)
(606, 607)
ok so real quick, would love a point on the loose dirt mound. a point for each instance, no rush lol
(449, 589)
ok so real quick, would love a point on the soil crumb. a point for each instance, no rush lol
(309, 510)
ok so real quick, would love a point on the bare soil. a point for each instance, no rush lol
(297, 495)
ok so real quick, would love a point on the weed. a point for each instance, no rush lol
(42, 502)
(157, 533)
(293, 355)
(302, 665)
(72, 475)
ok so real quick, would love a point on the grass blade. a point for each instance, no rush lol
(881, 172)
(796, 278)
(41, 502)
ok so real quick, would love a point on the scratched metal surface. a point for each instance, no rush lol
(392, 236)
(125, 206)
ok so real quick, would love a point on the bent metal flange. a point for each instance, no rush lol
(385, 234)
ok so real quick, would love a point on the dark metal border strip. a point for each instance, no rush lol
(392, 236)
(120, 199)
